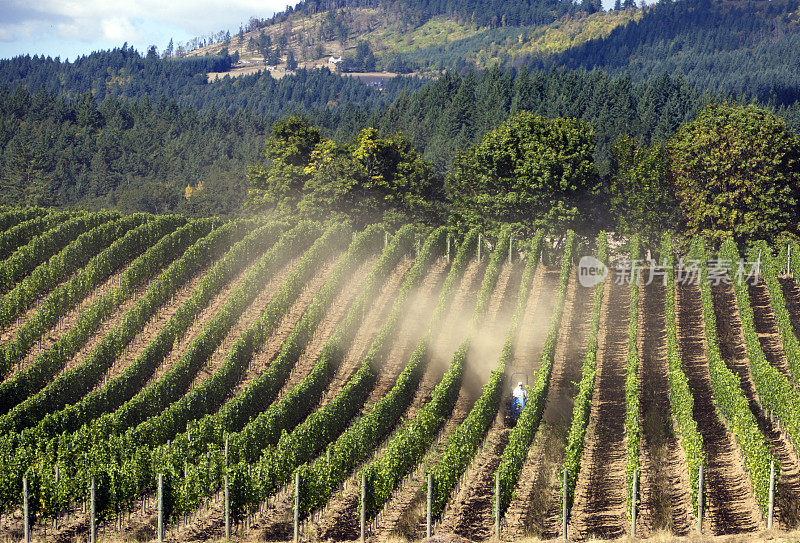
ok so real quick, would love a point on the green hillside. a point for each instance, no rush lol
(400, 45)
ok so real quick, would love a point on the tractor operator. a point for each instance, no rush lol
(520, 393)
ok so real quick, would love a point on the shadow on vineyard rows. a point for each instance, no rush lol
(134, 346)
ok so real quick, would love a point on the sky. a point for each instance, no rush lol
(70, 28)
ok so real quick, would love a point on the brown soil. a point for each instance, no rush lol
(207, 523)
(450, 336)
(152, 327)
(324, 330)
(65, 323)
(664, 486)
(535, 324)
(734, 352)
(403, 512)
(369, 327)
(257, 306)
(10, 331)
(470, 513)
(182, 344)
(414, 323)
(599, 508)
(275, 524)
(114, 320)
(31, 306)
(534, 508)
(767, 328)
(339, 520)
(277, 517)
(136, 525)
(791, 292)
(730, 502)
(486, 344)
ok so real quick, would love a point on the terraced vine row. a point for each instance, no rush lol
(583, 398)
(204, 477)
(97, 270)
(731, 504)
(249, 352)
(469, 511)
(406, 447)
(665, 409)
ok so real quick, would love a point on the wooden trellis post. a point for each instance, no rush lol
(160, 527)
(26, 512)
(227, 510)
(634, 495)
(363, 519)
(564, 506)
(430, 506)
(497, 504)
(296, 506)
(700, 500)
(92, 513)
(771, 507)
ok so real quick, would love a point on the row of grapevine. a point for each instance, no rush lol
(71, 258)
(133, 448)
(728, 396)
(210, 431)
(209, 394)
(256, 422)
(36, 253)
(64, 298)
(160, 394)
(775, 391)
(11, 217)
(583, 398)
(465, 440)
(321, 427)
(406, 446)
(769, 269)
(257, 397)
(680, 396)
(321, 478)
(205, 473)
(110, 452)
(632, 372)
(34, 446)
(32, 224)
(82, 409)
(527, 425)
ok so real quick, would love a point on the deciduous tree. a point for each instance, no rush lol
(529, 170)
(736, 171)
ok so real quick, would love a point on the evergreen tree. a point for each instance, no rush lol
(169, 51)
(291, 63)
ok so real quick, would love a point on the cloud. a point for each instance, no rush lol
(119, 29)
(139, 22)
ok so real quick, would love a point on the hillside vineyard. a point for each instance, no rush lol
(204, 378)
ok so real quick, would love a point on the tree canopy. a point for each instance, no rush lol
(736, 171)
(640, 195)
(369, 179)
(530, 170)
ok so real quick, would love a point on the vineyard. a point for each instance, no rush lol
(196, 379)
